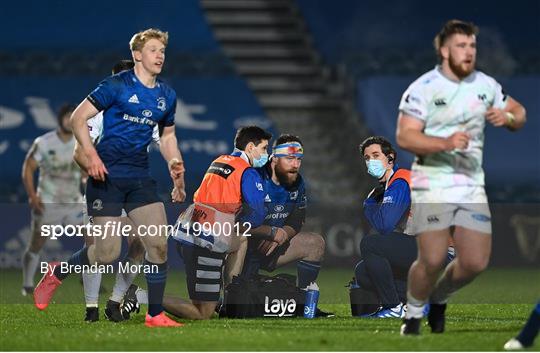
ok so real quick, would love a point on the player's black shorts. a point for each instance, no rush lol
(255, 260)
(108, 198)
(203, 271)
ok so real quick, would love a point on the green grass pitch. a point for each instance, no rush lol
(481, 317)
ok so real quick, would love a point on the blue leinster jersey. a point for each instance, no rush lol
(130, 113)
(284, 206)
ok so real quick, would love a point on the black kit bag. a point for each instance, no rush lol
(263, 296)
(363, 302)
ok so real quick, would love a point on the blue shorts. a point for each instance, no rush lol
(108, 198)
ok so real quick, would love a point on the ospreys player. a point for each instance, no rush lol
(57, 191)
(442, 118)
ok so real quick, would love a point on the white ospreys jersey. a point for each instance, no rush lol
(446, 107)
(95, 127)
(59, 176)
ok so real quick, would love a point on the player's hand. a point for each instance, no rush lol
(266, 247)
(178, 194)
(96, 168)
(281, 236)
(176, 169)
(35, 204)
(458, 141)
(496, 117)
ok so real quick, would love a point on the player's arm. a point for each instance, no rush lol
(411, 137)
(80, 158)
(385, 216)
(29, 167)
(513, 116)
(94, 166)
(295, 221)
(168, 147)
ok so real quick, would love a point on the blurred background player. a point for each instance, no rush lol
(92, 280)
(285, 207)
(133, 103)
(57, 191)
(528, 333)
(231, 192)
(442, 118)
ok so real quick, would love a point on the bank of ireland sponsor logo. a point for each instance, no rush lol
(147, 113)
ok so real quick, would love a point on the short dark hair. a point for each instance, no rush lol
(247, 134)
(63, 110)
(450, 28)
(122, 65)
(386, 146)
(284, 138)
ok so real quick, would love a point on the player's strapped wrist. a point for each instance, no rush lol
(510, 119)
(273, 231)
(174, 163)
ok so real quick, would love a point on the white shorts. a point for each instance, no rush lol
(59, 214)
(436, 209)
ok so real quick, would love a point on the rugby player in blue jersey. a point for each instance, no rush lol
(133, 102)
(285, 203)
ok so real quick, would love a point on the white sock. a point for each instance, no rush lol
(415, 307)
(91, 284)
(30, 263)
(122, 282)
(142, 296)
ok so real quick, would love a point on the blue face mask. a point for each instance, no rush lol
(375, 168)
(261, 161)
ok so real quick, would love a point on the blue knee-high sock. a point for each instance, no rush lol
(156, 287)
(530, 330)
(307, 272)
(78, 258)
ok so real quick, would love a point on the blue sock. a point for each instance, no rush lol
(307, 272)
(156, 287)
(530, 330)
(78, 258)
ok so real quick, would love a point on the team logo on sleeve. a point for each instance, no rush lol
(294, 195)
(161, 105)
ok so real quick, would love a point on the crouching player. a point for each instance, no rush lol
(228, 203)
(285, 207)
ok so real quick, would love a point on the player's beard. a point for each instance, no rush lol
(286, 178)
(462, 69)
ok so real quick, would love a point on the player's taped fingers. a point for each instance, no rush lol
(272, 248)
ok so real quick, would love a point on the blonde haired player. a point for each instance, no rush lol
(442, 118)
(133, 103)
